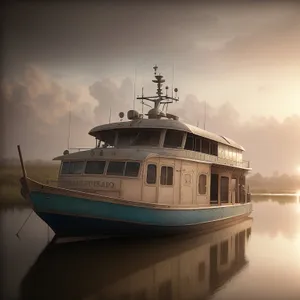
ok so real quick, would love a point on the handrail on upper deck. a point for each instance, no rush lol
(81, 148)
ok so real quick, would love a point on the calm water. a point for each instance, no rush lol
(255, 259)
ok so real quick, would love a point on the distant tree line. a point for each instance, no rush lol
(277, 183)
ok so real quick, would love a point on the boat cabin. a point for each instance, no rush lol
(158, 160)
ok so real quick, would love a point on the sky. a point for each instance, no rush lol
(242, 58)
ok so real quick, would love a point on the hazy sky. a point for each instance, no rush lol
(243, 58)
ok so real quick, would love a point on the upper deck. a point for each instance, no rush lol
(165, 124)
(165, 135)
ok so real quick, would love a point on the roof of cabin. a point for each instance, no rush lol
(166, 124)
(108, 153)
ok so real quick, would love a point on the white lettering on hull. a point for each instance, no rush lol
(91, 184)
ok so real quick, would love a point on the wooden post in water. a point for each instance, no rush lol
(22, 163)
(23, 169)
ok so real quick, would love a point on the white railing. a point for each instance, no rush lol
(80, 148)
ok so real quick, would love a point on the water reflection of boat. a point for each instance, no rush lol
(189, 267)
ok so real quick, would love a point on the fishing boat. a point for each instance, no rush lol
(152, 174)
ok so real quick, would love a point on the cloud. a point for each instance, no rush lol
(92, 34)
(270, 144)
(111, 97)
(36, 115)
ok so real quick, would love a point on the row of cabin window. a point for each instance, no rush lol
(173, 139)
(196, 143)
(117, 168)
(151, 137)
(230, 153)
(166, 177)
(201, 144)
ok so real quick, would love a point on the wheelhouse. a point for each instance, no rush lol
(144, 134)
(160, 160)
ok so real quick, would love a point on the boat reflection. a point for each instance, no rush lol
(162, 268)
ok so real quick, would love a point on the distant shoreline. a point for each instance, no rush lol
(275, 194)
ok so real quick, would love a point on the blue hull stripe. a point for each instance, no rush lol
(66, 205)
(66, 225)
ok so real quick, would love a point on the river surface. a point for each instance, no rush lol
(258, 258)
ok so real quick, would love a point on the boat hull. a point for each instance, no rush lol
(78, 226)
(72, 213)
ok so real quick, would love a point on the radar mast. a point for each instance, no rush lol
(156, 112)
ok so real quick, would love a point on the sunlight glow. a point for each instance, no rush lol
(298, 169)
(298, 201)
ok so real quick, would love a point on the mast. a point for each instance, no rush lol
(155, 112)
(69, 126)
(204, 114)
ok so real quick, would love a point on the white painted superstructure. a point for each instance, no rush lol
(158, 160)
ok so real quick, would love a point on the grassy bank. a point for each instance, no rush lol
(11, 174)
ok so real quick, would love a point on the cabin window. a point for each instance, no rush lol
(106, 139)
(202, 184)
(230, 153)
(234, 153)
(126, 136)
(214, 148)
(151, 174)
(221, 151)
(132, 169)
(166, 176)
(73, 167)
(173, 139)
(189, 144)
(76, 167)
(198, 144)
(65, 167)
(95, 167)
(239, 156)
(224, 189)
(226, 150)
(115, 168)
(147, 137)
(205, 145)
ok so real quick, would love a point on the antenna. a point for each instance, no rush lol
(159, 99)
(142, 100)
(69, 129)
(172, 86)
(134, 88)
(173, 79)
(204, 113)
(109, 120)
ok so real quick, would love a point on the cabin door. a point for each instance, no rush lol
(150, 184)
(187, 183)
(214, 188)
(166, 182)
